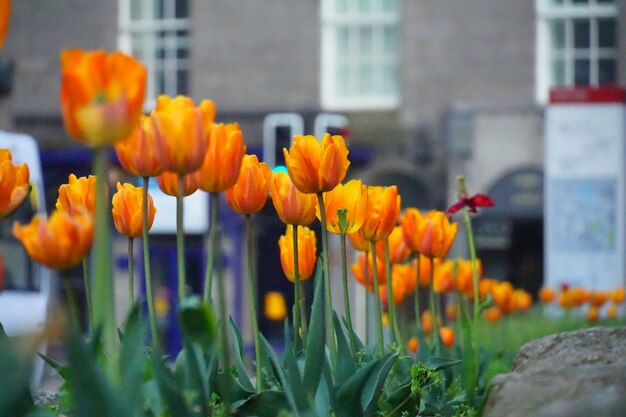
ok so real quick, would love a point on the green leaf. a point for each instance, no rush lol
(263, 404)
(401, 400)
(437, 363)
(198, 381)
(316, 338)
(132, 360)
(358, 396)
(242, 373)
(169, 392)
(282, 377)
(469, 367)
(61, 369)
(198, 323)
(91, 392)
(346, 366)
(15, 399)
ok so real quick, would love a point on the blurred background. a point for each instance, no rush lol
(423, 90)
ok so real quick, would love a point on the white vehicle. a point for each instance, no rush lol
(26, 287)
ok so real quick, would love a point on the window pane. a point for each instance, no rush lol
(365, 5)
(390, 41)
(136, 11)
(390, 5)
(366, 79)
(580, 1)
(558, 2)
(607, 71)
(343, 37)
(581, 72)
(605, 1)
(159, 9)
(365, 41)
(342, 80)
(607, 35)
(390, 80)
(341, 6)
(581, 33)
(182, 82)
(558, 72)
(182, 8)
(558, 34)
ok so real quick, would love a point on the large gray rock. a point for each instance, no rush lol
(573, 374)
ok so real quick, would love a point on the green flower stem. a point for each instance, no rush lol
(391, 305)
(379, 311)
(472, 250)
(433, 308)
(180, 239)
(102, 296)
(221, 294)
(298, 322)
(252, 293)
(328, 311)
(346, 295)
(416, 294)
(368, 308)
(71, 300)
(87, 283)
(154, 334)
(131, 273)
(212, 247)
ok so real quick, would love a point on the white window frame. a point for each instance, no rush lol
(546, 11)
(330, 21)
(171, 64)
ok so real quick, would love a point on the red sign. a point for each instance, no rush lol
(608, 94)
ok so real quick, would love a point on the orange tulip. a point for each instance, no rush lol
(411, 221)
(408, 273)
(593, 314)
(137, 153)
(413, 344)
(598, 298)
(611, 312)
(436, 235)
(617, 295)
(317, 167)
(443, 277)
(351, 196)
(522, 300)
(127, 210)
(383, 208)
(447, 336)
(307, 248)
(486, 286)
(501, 293)
(451, 311)
(425, 267)
(358, 242)
(222, 162)
(546, 295)
(358, 270)
(78, 193)
(427, 322)
(101, 95)
(168, 183)
(14, 183)
(180, 129)
(493, 314)
(398, 289)
(249, 193)
(275, 307)
(61, 241)
(464, 280)
(5, 13)
(398, 249)
(292, 206)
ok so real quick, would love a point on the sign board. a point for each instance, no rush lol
(585, 135)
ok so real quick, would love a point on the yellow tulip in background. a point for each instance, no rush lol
(351, 196)
(101, 95)
(14, 183)
(127, 213)
(383, 208)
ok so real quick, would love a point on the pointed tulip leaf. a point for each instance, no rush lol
(242, 373)
(282, 377)
(316, 338)
(132, 361)
(197, 321)
(437, 363)
(169, 392)
(345, 362)
(263, 404)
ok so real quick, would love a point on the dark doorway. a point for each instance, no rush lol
(526, 255)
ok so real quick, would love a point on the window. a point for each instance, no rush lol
(576, 44)
(360, 54)
(157, 33)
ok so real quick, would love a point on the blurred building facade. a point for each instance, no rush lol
(432, 88)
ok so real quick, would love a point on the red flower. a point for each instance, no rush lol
(479, 200)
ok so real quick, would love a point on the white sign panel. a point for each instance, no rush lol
(584, 204)
(195, 211)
